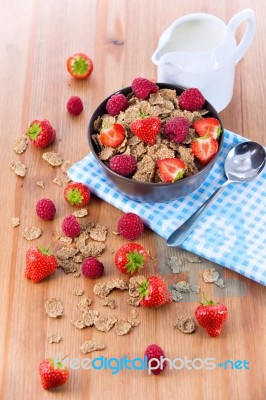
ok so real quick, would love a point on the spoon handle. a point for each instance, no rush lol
(181, 233)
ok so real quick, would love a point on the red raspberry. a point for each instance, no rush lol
(45, 209)
(153, 351)
(123, 164)
(191, 99)
(142, 87)
(92, 268)
(130, 226)
(75, 105)
(116, 103)
(177, 129)
(70, 226)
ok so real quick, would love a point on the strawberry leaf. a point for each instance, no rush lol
(135, 261)
(34, 130)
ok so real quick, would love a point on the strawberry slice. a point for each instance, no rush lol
(112, 136)
(208, 127)
(171, 169)
(204, 148)
(79, 65)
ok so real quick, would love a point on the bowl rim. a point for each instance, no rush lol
(128, 90)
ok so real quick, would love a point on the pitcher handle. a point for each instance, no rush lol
(247, 15)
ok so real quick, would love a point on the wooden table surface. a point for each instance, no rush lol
(120, 36)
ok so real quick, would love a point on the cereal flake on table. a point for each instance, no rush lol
(68, 266)
(175, 264)
(108, 302)
(98, 233)
(54, 339)
(40, 184)
(66, 252)
(104, 289)
(54, 159)
(185, 324)
(84, 303)
(65, 240)
(54, 307)
(80, 213)
(66, 165)
(78, 292)
(105, 322)
(20, 144)
(194, 259)
(19, 168)
(212, 276)
(122, 327)
(79, 324)
(89, 317)
(134, 321)
(15, 221)
(91, 345)
(181, 286)
(31, 232)
(58, 181)
(92, 249)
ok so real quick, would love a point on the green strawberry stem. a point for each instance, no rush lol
(80, 66)
(135, 261)
(144, 288)
(34, 130)
(45, 251)
(74, 197)
(208, 302)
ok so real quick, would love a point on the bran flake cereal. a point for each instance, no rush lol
(108, 302)
(40, 184)
(210, 275)
(15, 222)
(54, 159)
(54, 339)
(98, 233)
(84, 303)
(20, 144)
(80, 213)
(122, 327)
(66, 252)
(58, 182)
(31, 233)
(105, 322)
(54, 307)
(68, 266)
(78, 292)
(66, 165)
(185, 324)
(91, 345)
(19, 168)
(175, 264)
(89, 317)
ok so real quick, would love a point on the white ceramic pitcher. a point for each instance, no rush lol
(200, 50)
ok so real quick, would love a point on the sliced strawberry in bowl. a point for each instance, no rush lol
(171, 169)
(112, 136)
(209, 126)
(204, 148)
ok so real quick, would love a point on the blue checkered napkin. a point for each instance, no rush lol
(232, 231)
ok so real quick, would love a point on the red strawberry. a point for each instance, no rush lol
(52, 373)
(79, 65)
(171, 169)
(142, 87)
(77, 194)
(204, 148)
(40, 263)
(118, 102)
(191, 99)
(146, 129)
(154, 292)
(41, 132)
(112, 136)
(208, 127)
(155, 356)
(131, 258)
(211, 316)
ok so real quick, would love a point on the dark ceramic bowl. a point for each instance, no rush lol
(146, 191)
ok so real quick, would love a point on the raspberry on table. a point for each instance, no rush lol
(130, 226)
(142, 87)
(70, 226)
(123, 164)
(191, 100)
(116, 103)
(92, 268)
(75, 105)
(154, 352)
(177, 129)
(45, 209)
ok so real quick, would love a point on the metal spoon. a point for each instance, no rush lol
(242, 164)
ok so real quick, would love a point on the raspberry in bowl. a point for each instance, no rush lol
(162, 142)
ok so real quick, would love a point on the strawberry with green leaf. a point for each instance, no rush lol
(40, 263)
(209, 127)
(131, 258)
(79, 65)
(211, 316)
(77, 194)
(153, 292)
(53, 373)
(171, 169)
(146, 128)
(41, 133)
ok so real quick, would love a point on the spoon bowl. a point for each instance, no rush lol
(242, 164)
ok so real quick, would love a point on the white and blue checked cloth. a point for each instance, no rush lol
(231, 232)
